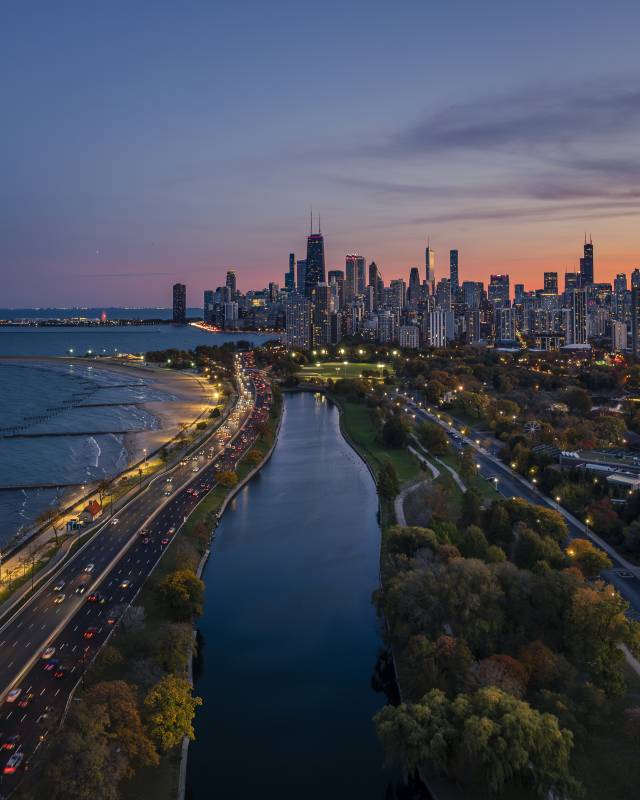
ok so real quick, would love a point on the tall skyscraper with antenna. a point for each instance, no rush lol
(315, 273)
(430, 265)
(586, 263)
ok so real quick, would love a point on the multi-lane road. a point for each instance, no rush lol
(623, 575)
(78, 608)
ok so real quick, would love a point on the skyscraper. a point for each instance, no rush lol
(209, 305)
(551, 283)
(413, 292)
(570, 281)
(453, 272)
(498, 291)
(375, 280)
(315, 261)
(179, 303)
(577, 333)
(298, 322)
(290, 275)
(430, 266)
(635, 312)
(355, 276)
(586, 263)
(231, 282)
(301, 274)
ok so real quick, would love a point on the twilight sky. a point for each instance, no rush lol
(147, 142)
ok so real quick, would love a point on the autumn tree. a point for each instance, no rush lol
(169, 711)
(183, 593)
(227, 478)
(388, 483)
(125, 727)
(591, 559)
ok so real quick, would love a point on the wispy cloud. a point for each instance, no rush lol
(534, 117)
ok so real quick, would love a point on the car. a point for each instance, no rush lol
(59, 673)
(623, 573)
(51, 665)
(167, 492)
(81, 588)
(164, 541)
(13, 763)
(196, 468)
(171, 531)
(89, 567)
(125, 584)
(59, 586)
(90, 632)
(13, 695)
(195, 493)
(115, 521)
(146, 540)
(59, 598)
(184, 462)
(143, 532)
(25, 700)
(112, 619)
(96, 597)
(49, 652)
(11, 743)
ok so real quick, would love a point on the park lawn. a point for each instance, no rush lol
(356, 421)
(337, 370)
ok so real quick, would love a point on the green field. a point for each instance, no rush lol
(337, 370)
(357, 424)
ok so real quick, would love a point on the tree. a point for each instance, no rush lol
(169, 709)
(125, 727)
(471, 508)
(433, 438)
(50, 518)
(531, 548)
(227, 478)
(488, 738)
(183, 593)
(388, 483)
(541, 663)
(408, 540)
(578, 400)
(468, 465)
(591, 560)
(254, 457)
(394, 432)
(502, 671)
(595, 627)
(434, 391)
(84, 764)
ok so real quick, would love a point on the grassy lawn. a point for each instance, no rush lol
(357, 423)
(338, 369)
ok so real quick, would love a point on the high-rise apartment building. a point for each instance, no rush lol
(551, 283)
(179, 303)
(355, 276)
(209, 305)
(577, 328)
(298, 322)
(472, 294)
(453, 272)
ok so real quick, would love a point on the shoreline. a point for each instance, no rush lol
(188, 403)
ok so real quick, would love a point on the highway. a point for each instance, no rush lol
(623, 575)
(122, 555)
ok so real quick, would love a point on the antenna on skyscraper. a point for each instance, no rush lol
(311, 227)
(319, 228)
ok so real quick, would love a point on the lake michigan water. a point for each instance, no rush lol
(32, 390)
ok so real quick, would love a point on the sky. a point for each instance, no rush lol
(151, 142)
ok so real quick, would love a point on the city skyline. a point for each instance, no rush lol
(183, 160)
